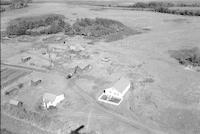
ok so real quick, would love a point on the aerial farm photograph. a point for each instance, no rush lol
(100, 66)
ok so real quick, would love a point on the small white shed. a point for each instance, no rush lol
(16, 103)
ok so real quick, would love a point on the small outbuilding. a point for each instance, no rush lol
(25, 59)
(52, 100)
(16, 103)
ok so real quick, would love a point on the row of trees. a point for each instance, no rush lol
(155, 4)
(95, 27)
(45, 24)
(152, 4)
(178, 12)
(164, 7)
(14, 4)
(5, 2)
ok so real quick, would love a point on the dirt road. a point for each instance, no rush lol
(23, 67)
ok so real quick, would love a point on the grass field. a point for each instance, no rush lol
(164, 98)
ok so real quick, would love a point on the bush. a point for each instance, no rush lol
(140, 5)
(15, 4)
(45, 24)
(95, 27)
(55, 27)
(162, 10)
(187, 56)
(68, 29)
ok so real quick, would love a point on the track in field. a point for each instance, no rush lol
(10, 75)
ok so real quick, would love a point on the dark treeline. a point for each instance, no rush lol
(178, 12)
(47, 24)
(4, 3)
(163, 4)
(164, 7)
(13, 4)
(54, 23)
(95, 27)
(152, 4)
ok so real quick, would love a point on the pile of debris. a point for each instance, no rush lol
(75, 48)
(79, 69)
(14, 90)
(35, 82)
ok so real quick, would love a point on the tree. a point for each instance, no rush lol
(15, 4)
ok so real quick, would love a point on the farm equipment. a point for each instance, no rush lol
(78, 70)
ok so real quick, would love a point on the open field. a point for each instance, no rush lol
(164, 97)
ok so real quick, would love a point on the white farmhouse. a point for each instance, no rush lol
(119, 89)
(52, 100)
